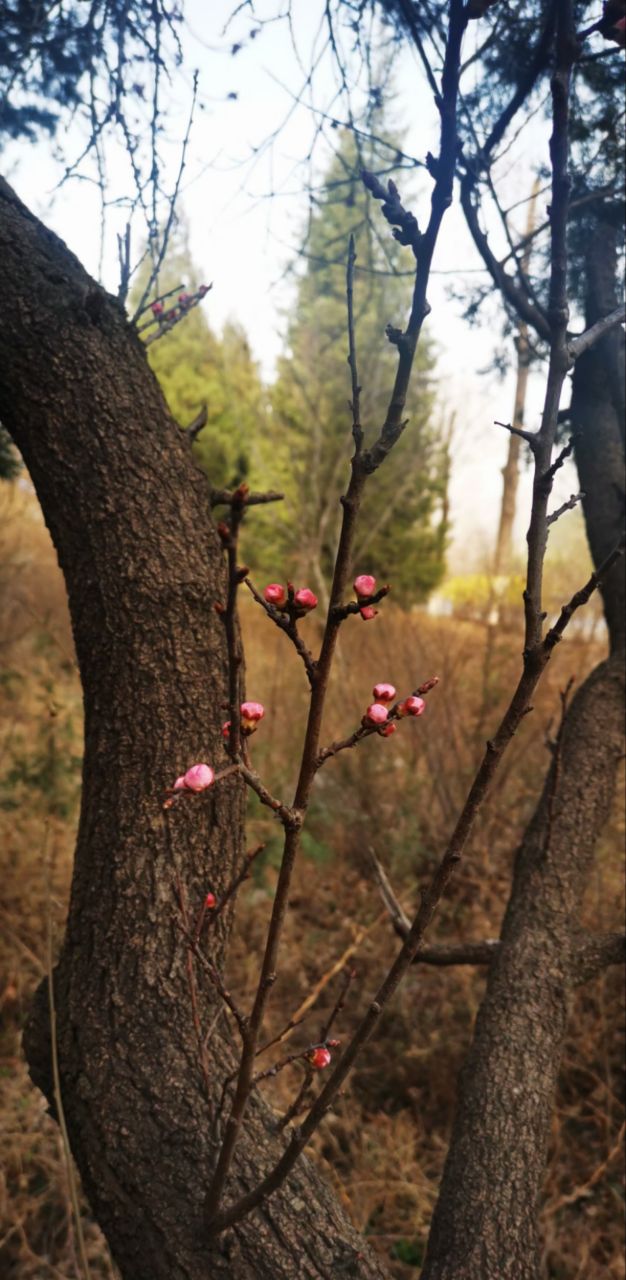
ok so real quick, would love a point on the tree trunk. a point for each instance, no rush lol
(485, 1224)
(129, 517)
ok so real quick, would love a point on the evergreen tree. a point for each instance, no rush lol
(402, 535)
(195, 367)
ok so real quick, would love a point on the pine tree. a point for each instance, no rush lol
(403, 530)
(195, 367)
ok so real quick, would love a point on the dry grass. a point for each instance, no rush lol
(385, 1144)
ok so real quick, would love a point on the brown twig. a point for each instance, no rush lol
(286, 622)
(225, 497)
(582, 343)
(355, 402)
(572, 502)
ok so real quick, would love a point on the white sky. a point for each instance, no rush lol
(242, 240)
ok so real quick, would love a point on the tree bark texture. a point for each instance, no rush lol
(129, 516)
(598, 417)
(485, 1224)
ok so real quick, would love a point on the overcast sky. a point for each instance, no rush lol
(243, 236)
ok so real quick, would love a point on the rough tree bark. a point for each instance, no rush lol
(128, 513)
(485, 1224)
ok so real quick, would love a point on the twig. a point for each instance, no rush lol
(355, 403)
(286, 622)
(214, 977)
(225, 497)
(560, 458)
(528, 436)
(572, 502)
(577, 346)
(191, 979)
(215, 912)
(581, 597)
(475, 953)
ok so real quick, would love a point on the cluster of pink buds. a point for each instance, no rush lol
(185, 301)
(250, 713)
(365, 586)
(303, 600)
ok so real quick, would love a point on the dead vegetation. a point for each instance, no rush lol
(384, 1144)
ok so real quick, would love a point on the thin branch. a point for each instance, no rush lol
(572, 502)
(355, 403)
(225, 497)
(443, 954)
(584, 341)
(528, 436)
(286, 622)
(581, 597)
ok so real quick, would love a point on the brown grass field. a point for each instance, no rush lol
(384, 1145)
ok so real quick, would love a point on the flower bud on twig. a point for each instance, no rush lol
(365, 586)
(384, 692)
(320, 1058)
(305, 600)
(412, 706)
(275, 594)
(251, 713)
(376, 714)
(368, 612)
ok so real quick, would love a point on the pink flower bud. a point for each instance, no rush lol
(388, 729)
(226, 729)
(184, 299)
(251, 713)
(210, 901)
(377, 714)
(180, 783)
(320, 1058)
(384, 692)
(203, 288)
(157, 308)
(368, 612)
(275, 594)
(412, 706)
(364, 585)
(305, 599)
(199, 777)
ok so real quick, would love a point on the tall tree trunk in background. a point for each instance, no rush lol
(485, 1223)
(129, 517)
(510, 471)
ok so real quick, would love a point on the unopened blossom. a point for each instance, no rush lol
(305, 599)
(226, 729)
(180, 784)
(320, 1058)
(184, 299)
(388, 729)
(251, 713)
(412, 706)
(377, 713)
(384, 692)
(364, 585)
(275, 594)
(157, 309)
(210, 901)
(199, 777)
(368, 612)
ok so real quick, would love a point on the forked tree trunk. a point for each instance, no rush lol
(128, 514)
(485, 1224)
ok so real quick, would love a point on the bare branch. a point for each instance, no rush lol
(572, 502)
(355, 403)
(584, 341)
(594, 955)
